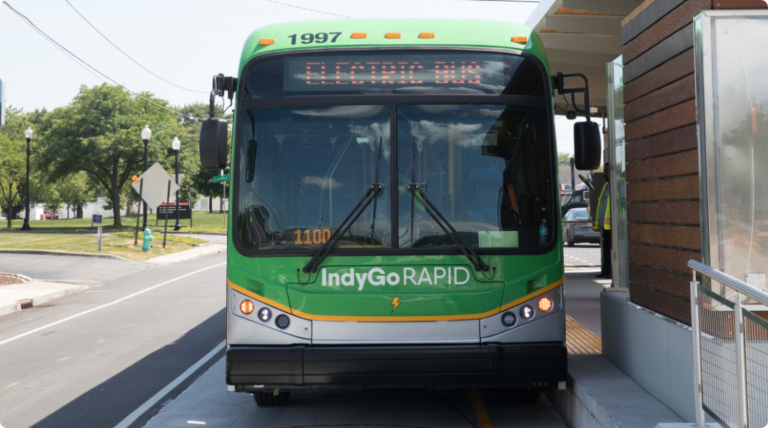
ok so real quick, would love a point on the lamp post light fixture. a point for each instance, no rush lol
(146, 134)
(176, 145)
(28, 133)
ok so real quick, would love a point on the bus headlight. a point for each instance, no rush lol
(246, 306)
(526, 312)
(265, 314)
(545, 304)
(509, 319)
(283, 321)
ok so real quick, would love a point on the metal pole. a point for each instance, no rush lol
(573, 177)
(146, 166)
(178, 223)
(741, 375)
(189, 198)
(25, 226)
(167, 203)
(696, 341)
(138, 214)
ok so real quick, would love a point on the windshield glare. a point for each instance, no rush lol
(311, 165)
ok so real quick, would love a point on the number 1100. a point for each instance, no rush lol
(316, 236)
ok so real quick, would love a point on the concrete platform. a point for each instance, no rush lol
(600, 395)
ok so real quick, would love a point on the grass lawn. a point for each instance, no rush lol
(204, 223)
(119, 245)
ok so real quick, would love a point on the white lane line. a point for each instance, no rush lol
(168, 388)
(107, 305)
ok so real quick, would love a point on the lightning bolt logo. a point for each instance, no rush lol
(395, 303)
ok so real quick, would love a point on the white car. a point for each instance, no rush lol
(577, 228)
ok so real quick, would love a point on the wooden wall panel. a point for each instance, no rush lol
(659, 54)
(664, 166)
(661, 280)
(670, 71)
(739, 4)
(676, 93)
(665, 212)
(688, 237)
(665, 27)
(674, 141)
(672, 189)
(664, 258)
(643, 17)
(665, 304)
(665, 120)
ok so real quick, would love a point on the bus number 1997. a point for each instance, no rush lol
(309, 38)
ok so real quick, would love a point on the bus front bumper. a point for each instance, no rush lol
(540, 365)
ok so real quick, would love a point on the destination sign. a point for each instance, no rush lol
(395, 71)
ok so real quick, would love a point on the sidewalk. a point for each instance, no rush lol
(196, 252)
(39, 291)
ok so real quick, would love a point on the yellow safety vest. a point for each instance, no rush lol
(607, 223)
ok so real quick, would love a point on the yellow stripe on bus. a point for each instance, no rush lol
(393, 318)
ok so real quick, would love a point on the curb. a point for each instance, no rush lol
(37, 301)
(62, 253)
(18, 275)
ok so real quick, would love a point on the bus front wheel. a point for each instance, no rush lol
(267, 399)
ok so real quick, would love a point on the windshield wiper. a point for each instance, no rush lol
(444, 224)
(370, 195)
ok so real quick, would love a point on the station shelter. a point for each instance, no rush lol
(682, 87)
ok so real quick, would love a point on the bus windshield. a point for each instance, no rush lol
(301, 170)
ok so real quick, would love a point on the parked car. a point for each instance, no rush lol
(50, 215)
(575, 201)
(578, 228)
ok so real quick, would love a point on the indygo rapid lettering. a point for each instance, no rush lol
(376, 277)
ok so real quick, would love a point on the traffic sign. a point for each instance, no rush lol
(155, 185)
(220, 178)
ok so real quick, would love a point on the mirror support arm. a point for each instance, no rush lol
(558, 84)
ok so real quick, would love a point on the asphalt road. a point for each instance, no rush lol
(99, 363)
(74, 269)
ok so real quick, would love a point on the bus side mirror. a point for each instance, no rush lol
(213, 144)
(586, 145)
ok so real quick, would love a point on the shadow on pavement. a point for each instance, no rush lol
(110, 402)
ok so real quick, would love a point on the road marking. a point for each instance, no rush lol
(100, 340)
(480, 411)
(168, 388)
(196, 423)
(62, 359)
(107, 304)
(13, 384)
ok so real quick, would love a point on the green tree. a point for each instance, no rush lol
(99, 133)
(75, 190)
(13, 160)
(187, 191)
(562, 156)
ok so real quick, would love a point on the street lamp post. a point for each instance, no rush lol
(28, 133)
(176, 145)
(146, 134)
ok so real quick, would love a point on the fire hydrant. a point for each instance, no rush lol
(147, 239)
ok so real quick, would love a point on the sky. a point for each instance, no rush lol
(183, 41)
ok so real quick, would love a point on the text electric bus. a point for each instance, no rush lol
(394, 218)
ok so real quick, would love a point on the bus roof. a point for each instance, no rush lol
(447, 32)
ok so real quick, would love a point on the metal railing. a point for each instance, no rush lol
(730, 352)
(582, 244)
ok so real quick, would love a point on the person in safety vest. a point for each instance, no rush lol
(603, 224)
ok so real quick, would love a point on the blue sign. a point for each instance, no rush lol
(96, 219)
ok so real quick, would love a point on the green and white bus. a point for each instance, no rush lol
(394, 216)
